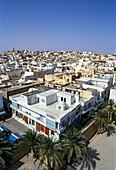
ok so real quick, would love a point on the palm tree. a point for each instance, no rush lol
(111, 109)
(75, 145)
(50, 151)
(101, 117)
(5, 150)
(31, 139)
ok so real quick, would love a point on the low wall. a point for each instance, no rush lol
(90, 130)
(19, 151)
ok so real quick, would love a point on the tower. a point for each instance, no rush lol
(13, 49)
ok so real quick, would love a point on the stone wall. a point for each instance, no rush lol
(90, 130)
(19, 151)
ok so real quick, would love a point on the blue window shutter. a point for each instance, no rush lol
(49, 123)
(43, 100)
(14, 105)
(41, 118)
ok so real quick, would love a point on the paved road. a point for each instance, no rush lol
(27, 163)
(101, 155)
(14, 126)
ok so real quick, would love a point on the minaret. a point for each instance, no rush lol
(13, 49)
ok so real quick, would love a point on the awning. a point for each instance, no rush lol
(2, 113)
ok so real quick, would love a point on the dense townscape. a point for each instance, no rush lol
(52, 92)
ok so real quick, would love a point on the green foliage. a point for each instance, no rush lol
(102, 117)
(31, 139)
(111, 109)
(52, 151)
(104, 105)
(49, 150)
(5, 150)
(75, 145)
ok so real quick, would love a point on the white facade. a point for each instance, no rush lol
(105, 68)
(46, 110)
(51, 111)
(113, 94)
(47, 98)
(107, 76)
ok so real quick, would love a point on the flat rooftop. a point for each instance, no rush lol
(49, 92)
(38, 90)
(90, 89)
(51, 109)
(83, 79)
(71, 88)
(66, 93)
(20, 87)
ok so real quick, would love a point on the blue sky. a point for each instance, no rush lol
(57, 25)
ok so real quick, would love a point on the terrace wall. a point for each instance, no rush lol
(90, 130)
(19, 151)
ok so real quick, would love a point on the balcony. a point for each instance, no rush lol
(97, 105)
(62, 129)
(87, 109)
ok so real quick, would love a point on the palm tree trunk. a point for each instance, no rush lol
(111, 116)
(98, 129)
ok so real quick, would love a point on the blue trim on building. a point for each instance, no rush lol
(51, 124)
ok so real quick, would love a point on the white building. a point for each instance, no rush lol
(105, 68)
(113, 93)
(2, 112)
(48, 112)
(107, 76)
(106, 84)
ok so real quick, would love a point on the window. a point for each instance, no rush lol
(20, 107)
(33, 122)
(72, 117)
(16, 113)
(66, 107)
(59, 107)
(43, 100)
(51, 124)
(79, 108)
(20, 115)
(41, 118)
(61, 98)
(56, 125)
(68, 119)
(29, 121)
(63, 123)
(14, 105)
(64, 99)
(89, 105)
(42, 128)
(52, 132)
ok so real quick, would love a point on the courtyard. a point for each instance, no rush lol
(101, 155)
(14, 126)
